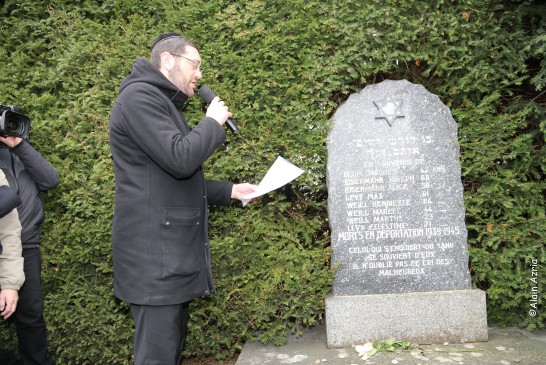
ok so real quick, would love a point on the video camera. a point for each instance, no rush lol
(13, 123)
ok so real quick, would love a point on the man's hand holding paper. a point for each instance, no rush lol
(279, 174)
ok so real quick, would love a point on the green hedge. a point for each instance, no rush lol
(283, 67)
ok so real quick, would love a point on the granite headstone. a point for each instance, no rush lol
(397, 219)
(395, 193)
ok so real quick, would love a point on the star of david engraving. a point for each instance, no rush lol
(389, 110)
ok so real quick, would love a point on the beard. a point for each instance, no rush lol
(181, 82)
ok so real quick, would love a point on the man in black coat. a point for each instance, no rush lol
(160, 242)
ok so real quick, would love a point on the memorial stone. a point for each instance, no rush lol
(397, 219)
(395, 193)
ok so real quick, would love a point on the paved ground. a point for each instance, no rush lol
(506, 346)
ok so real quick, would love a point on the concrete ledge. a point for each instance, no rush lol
(507, 345)
(455, 316)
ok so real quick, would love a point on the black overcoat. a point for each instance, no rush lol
(160, 244)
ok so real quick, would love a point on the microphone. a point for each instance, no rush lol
(207, 95)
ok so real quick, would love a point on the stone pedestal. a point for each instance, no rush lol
(423, 317)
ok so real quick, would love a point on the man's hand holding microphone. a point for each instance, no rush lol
(217, 109)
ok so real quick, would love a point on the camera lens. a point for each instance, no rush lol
(13, 125)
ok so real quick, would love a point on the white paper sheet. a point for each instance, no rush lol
(279, 174)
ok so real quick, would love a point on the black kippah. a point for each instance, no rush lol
(164, 36)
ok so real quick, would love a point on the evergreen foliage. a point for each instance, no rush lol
(283, 67)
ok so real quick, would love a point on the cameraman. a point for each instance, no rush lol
(28, 173)
(11, 261)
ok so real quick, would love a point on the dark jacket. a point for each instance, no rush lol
(159, 237)
(28, 174)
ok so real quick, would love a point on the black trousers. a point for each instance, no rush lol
(160, 333)
(28, 317)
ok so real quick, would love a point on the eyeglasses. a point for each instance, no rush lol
(196, 64)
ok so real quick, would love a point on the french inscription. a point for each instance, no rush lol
(374, 218)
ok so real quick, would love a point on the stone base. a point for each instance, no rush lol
(455, 316)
